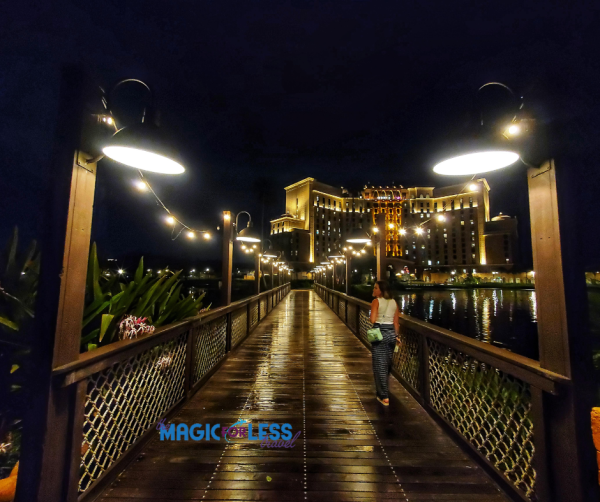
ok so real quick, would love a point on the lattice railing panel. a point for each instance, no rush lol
(364, 324)
(342, 309)
(406, 360)
(352, 316)
(253, 314)
(489, 408)
(209, 347)
(125, 400)
(263, 307)
(239, 326)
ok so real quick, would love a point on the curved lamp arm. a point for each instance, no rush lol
(125, 81)
(238, 215)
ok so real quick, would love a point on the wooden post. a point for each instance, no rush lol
(380, 246)
(348, 270)
(248, 320)
(227, 257)
(563, 337)
(272, 277)
(257, 257)
(51, 444)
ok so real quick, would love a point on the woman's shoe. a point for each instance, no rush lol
(385, 402)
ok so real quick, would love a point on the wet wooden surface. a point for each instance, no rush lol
(303, 366)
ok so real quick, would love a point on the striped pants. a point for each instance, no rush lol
(382, 353)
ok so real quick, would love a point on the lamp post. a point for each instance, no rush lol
(335, 260)
(357, 236)
(271, 254)
(561, 312)
(83, 137)
(246, 236)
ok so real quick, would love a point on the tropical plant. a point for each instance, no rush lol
(19, 273)
(156, 298)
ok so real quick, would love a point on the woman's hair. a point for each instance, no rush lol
(385, 289)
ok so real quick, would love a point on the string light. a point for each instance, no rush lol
(171, 219)
(141, 186)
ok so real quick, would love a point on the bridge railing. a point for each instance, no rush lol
(125, 388)
(489, 398)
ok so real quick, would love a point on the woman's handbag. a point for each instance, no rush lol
(374, 335)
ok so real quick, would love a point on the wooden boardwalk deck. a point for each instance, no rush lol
(302, 366)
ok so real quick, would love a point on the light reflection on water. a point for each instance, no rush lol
(505, 318)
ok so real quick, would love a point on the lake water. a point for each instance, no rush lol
(505, 318)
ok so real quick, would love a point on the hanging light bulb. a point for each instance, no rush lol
(191, 235)
(206, 235)
(140, 185)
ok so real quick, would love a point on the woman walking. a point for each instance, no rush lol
(384, 315)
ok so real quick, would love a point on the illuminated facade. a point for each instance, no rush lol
(325, 212)
(431, 227)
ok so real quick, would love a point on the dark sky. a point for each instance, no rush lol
(262, 94)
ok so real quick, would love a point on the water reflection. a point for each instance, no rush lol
(505, 318)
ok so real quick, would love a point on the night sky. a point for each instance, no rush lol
(262, 94)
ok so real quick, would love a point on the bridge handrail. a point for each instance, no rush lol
(99, 359)
(490, 398)
(125, 388)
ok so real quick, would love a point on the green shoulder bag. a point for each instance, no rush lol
(374, 335)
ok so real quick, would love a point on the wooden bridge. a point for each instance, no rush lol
(302, 366)
(461, 425)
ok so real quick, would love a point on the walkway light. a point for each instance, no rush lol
(271, 252)
(142, 145)
(248, 234)
(477, 162)
(358, 236)
(489, 150)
